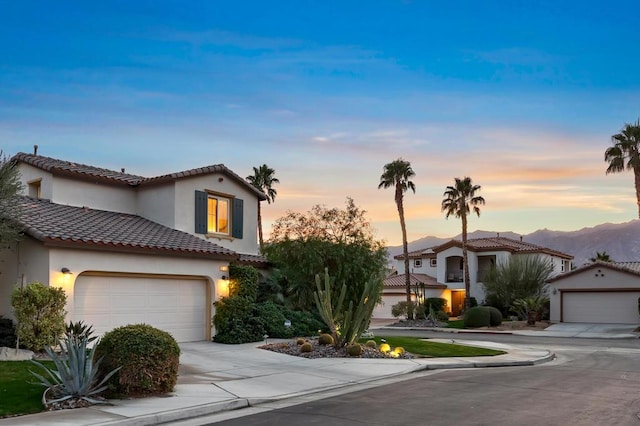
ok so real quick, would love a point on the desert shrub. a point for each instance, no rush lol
(7, 333)
(306, 347)
(420, 312)
(325, 339)
(495, 316)
(243, 281)
(39, 312)
(442, 316)
(149, 359)
(235, 321)
(400, 309)
(354, 349)
(437, 303)
(477, 316)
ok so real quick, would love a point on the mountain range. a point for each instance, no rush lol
(621, 241)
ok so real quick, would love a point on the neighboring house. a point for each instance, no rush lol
(395, 291)
(444, 266)
(599, 292)
(129, 249)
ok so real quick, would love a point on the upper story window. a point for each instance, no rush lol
(217, 215)
(417, 263)
(35, 188)
(433, 262)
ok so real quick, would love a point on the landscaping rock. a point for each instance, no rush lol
(12, 354)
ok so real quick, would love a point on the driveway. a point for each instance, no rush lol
(574, 329)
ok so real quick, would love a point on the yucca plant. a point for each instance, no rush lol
(75, 373)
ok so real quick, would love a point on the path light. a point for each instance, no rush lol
(265, 337)
(287, 323)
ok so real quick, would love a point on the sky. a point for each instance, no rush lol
(521, 96)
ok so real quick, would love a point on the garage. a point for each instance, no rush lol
(599, 292)
(177, 305)
(607, 307)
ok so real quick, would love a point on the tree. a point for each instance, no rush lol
(625, 154)
(520, 277)
(460, 200)
(398, 174)
(10, 188)
(263, 179)
(302, 245)
(601, 257)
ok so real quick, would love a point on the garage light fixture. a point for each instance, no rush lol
(65, 270)
(224, 277)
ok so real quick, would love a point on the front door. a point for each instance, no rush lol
(457, 302)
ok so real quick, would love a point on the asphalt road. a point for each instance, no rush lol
(592, 382)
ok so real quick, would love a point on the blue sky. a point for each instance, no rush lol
(521, 96)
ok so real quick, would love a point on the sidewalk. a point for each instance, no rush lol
(215, 378)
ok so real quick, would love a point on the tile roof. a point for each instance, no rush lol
(501, 244)
(253, 259)
(417, 254)
(67, 168)
(629, 267)
(399, 281)
(60, 225)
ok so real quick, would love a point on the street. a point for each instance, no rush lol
(592, 382)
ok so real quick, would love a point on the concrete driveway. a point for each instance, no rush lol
(574, 329)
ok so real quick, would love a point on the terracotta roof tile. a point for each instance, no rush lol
(628, 267)
(57, 224)
(416, 279)
(501, 244)
(418, 254)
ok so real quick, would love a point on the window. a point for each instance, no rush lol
(35, 188)
(218, 214)
(417, 263)
(562, 266)
(433, 262)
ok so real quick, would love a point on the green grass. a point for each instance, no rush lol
(455, 324)
(17, 394)
(425, 348)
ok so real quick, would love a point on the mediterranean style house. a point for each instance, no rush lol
(438, 271)
(132, 249)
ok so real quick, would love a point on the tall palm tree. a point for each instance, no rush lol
(601, 257)
(263, 179)
(398, 174)
(460, 200)
(626, 148)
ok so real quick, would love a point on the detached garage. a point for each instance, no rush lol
(601, 292)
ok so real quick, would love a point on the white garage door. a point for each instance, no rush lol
(178, 306)
(383, 310)
(600, 307)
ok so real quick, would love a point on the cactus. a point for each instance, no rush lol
(300, 341)
(384, 348)
(371, 344)
(354, 349)
(306, 347)
(399, 350)
(325, 339)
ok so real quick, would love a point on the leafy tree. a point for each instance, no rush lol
(520, 277)
(601, 257)
(263, 179)
(398, 174)
(10, 188)
(625, 154)
(39, 311)
(460, 200)
(302, 245)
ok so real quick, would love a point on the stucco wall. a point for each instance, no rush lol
(426, 267)
(185, 210)
(94, 195)
(156, 203)
(29, 173)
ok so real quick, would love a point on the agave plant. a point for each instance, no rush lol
(79, 330)
(75, 373)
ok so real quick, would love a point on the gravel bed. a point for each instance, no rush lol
(327, 351)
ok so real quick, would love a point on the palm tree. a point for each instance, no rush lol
(398, 174)
(626, 147)
(263, 179)
(460, 200)
(601, 257)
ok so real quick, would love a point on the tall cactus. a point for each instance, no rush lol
(346, 325)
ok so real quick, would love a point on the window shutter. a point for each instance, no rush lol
(237, 218)
(201, 212)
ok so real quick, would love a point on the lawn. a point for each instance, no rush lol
(425, 348)
(17, 394)
(455, 324)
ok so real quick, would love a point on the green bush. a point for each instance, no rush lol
(243, 281)
(495, 316)
(442, 316)
(437, 303)
(39, 312)
(477, 316)
(304, 323)
(235, 321)
(149, 359)
(400, 309)
(273, 318)
(473, 302)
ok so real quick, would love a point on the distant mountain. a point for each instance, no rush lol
(621, 241)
